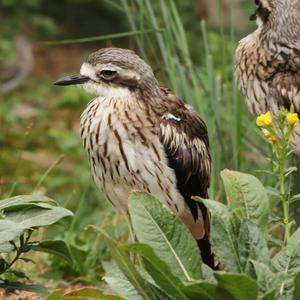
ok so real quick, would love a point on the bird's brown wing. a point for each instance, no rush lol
(185, 140)
(284, 82)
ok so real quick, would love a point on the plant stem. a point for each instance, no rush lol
(285, 207)
(282, 156)
(19, 250)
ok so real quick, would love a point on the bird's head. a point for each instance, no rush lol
(113, 72)
(278, 19)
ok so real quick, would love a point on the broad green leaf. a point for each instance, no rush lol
(79, 255)
(119, 283)
(158, 270)
(288, 259)
(54, 247)
(87, 293)
(24, 200)
(266, 279)
(128, 268)
(16, 222)
(208, 274)
(200, 290)
(217, 208)
(223, 236)
(123, 287)
(251, 246)
(235, 287)
(225, 245)
(166, 234)
(297, 287)
(159, 294)
(246, 196)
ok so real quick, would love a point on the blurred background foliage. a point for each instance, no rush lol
(41, 151)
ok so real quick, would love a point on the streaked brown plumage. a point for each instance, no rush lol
(139, 136)
(267, 62)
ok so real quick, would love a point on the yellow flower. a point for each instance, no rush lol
(264, 120)
(292, 119)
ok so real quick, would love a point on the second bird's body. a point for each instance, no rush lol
(267, 62)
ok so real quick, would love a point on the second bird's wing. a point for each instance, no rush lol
(284, 83)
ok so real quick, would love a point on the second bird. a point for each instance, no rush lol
(267, 63)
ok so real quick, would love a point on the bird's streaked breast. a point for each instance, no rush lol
(125, 153)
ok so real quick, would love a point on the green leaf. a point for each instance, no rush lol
(16, 222)
(289, 171)
(251, 246)
(166, 234)
(217, 208)
(119, 283)
(223, 236)
(273, 192)
(208, 274)
(123, 287)
(246, 196)
(200, 290)
(6, 247)
(158, 270)
(102, 37)
(58, 248)
(24, 200)
(87, 293)
(235, 287)
(56, 295)
(127, 268)
(295, 198)
(288, 259)
(19, 274)
(266, 279)
(269, 296)
(297, 287)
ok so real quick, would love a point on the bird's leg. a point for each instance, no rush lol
(131, 238)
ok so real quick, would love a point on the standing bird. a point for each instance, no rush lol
(267, 61)
(138, 136)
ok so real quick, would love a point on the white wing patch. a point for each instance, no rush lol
(169, 116)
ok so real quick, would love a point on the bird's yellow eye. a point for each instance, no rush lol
(108, 74)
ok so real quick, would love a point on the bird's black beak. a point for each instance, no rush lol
(74, 79)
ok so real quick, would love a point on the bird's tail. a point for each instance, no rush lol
(199, 226)
(207, 253)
